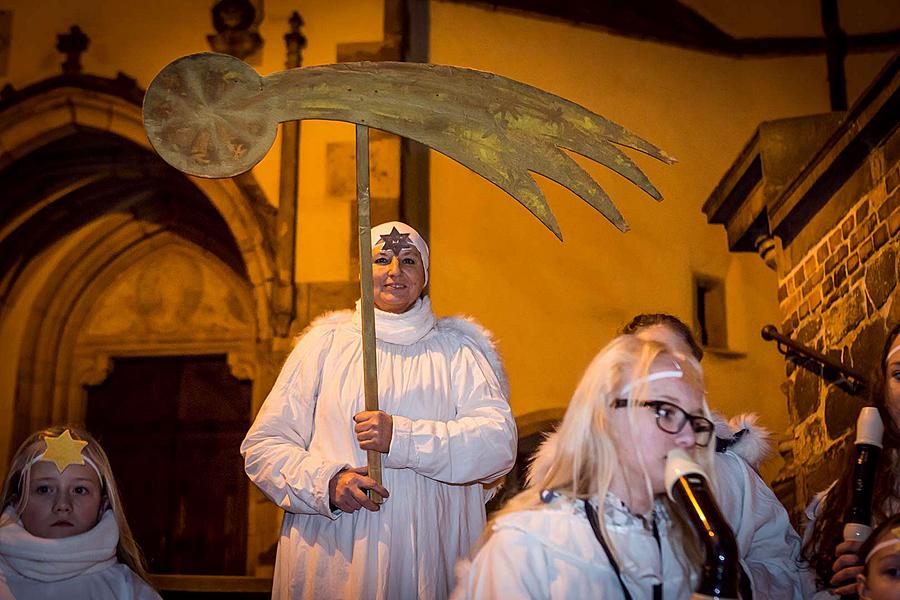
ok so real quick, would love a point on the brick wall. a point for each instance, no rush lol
(840, 298)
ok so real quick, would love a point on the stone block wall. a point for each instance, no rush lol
(840, 298)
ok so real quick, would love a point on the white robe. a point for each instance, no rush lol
(79, 567)
(453, 431)
(551, 552)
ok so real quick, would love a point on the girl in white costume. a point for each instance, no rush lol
(445, 428)
(63, 533)
(635, 402)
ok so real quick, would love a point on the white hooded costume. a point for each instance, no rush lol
(453, 432)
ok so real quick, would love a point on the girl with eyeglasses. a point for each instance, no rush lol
(597, 523)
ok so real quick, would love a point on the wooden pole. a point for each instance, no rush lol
(367, 300)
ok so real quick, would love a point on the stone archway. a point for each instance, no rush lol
(59, 112)
(115, 205)
(90, 215)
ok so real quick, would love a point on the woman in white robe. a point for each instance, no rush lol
(445, 428)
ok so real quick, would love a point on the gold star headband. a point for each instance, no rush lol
(63, 451)
(893, 540)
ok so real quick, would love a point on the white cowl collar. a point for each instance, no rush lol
(404, 328)
(45, 559)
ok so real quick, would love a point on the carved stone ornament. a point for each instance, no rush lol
(236, 23)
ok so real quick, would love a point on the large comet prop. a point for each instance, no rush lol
(212, 115)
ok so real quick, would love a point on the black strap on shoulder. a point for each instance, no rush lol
(595, 525)
(657, 588)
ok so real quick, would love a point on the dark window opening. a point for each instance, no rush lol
(709, 294)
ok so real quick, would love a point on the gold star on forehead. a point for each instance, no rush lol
(63, 450)
(396, 241)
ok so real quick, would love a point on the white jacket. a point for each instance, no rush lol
(768, 545)
(453, 431)
(551, 552)
(80, 567)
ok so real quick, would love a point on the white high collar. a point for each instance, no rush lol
(401, 328)
(45, 559)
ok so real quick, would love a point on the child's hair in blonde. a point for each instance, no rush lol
(18, 479)
(584, 456)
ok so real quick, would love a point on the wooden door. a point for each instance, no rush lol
(172, 427)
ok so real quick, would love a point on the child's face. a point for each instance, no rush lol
(62, 504)
(882, 578)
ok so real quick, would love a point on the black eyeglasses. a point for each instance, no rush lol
(671, 418)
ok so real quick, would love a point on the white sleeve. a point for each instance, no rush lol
(478, 445)
(275, 449)
(509, 565)
(768, 544)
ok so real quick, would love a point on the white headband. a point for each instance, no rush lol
(414, 238)
(626, 389)
(893, 351)
(86, 460)
(881, 546)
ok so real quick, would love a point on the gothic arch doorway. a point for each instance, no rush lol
(110, 259)
(83, 188)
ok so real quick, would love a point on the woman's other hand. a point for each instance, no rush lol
(347, 490)
(374, 429)
(846, 567)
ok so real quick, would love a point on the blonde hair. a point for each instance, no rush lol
(18, 479)
(583, 457)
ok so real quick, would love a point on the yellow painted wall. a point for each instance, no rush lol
(552, 305)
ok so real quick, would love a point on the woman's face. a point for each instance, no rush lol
(63, 504)
(398, 280)
(649, 442)
(892, 383)
(882, 578)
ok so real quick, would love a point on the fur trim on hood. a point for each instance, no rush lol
(742, 435)
(466, 327)
(482, 338)
(540, 461)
